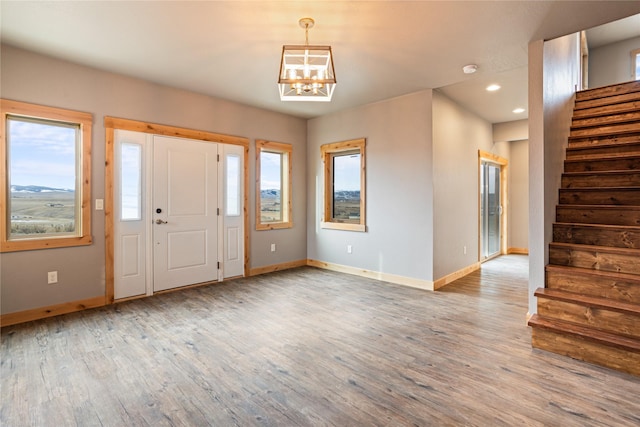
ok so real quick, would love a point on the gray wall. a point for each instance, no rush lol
(422, 186)
(30, 77)
(611, 64)
(511, 131)
(399, 187)
(517, 134)
(518, 233)
(458, 134)
(554, 75)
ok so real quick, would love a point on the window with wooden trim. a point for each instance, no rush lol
(45, 187)
(273, 185)
(635, 64)
(344, 185)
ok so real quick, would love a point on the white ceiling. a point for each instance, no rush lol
(383, 49)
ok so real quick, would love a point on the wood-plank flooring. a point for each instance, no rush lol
(308, 347)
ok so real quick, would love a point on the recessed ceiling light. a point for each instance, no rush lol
(493, 87)
(518, 110)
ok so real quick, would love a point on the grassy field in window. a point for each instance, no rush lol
(42, 213)
(270, 209)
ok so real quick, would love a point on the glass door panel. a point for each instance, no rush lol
(490, 210)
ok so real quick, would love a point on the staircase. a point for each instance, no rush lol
(590, 306)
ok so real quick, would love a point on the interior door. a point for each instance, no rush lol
(490, 209)
(184, 212)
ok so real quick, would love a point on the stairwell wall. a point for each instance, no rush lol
(554, 75)
(612, 63)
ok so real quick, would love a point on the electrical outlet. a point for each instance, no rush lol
(464, 250)
(348, 249)
(52, 277)
(99, 204)
(273, 247)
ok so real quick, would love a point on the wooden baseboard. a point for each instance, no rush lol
(385, 277)
(50, 311)
(455, 275)
(518, 251)
(277, 267)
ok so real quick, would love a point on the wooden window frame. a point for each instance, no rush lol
(328, 151)
(83, 163)
(286, 177)
(634, 57)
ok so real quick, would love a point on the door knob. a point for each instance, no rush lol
(159, 221)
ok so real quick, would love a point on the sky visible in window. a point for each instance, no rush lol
(346, 172)
(42, 154)
(638, 66)
(270, 171)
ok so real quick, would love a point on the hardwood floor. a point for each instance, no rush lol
(308, 347)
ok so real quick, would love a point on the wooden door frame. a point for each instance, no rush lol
(111, 124)
(504, 201)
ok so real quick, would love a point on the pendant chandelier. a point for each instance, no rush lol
(306, 71)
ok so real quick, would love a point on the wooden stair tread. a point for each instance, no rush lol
(608, 156)
(604, 145)
(594, 142)
(601, 207)
(605, 173)
(612, 118)
(585, 332)
(605, 110)
(585, 189)
(586, 179)
(605, 130)
(601, 226)
(607, 249)
(590, 301)
(596, 196)
(609, 90)
(582, 104)
(603, 156)
(589, 272)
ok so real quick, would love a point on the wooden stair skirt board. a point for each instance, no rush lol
(604, 284)
(587, 344)
(589, 308)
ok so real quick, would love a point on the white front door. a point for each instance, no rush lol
(184, 212)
